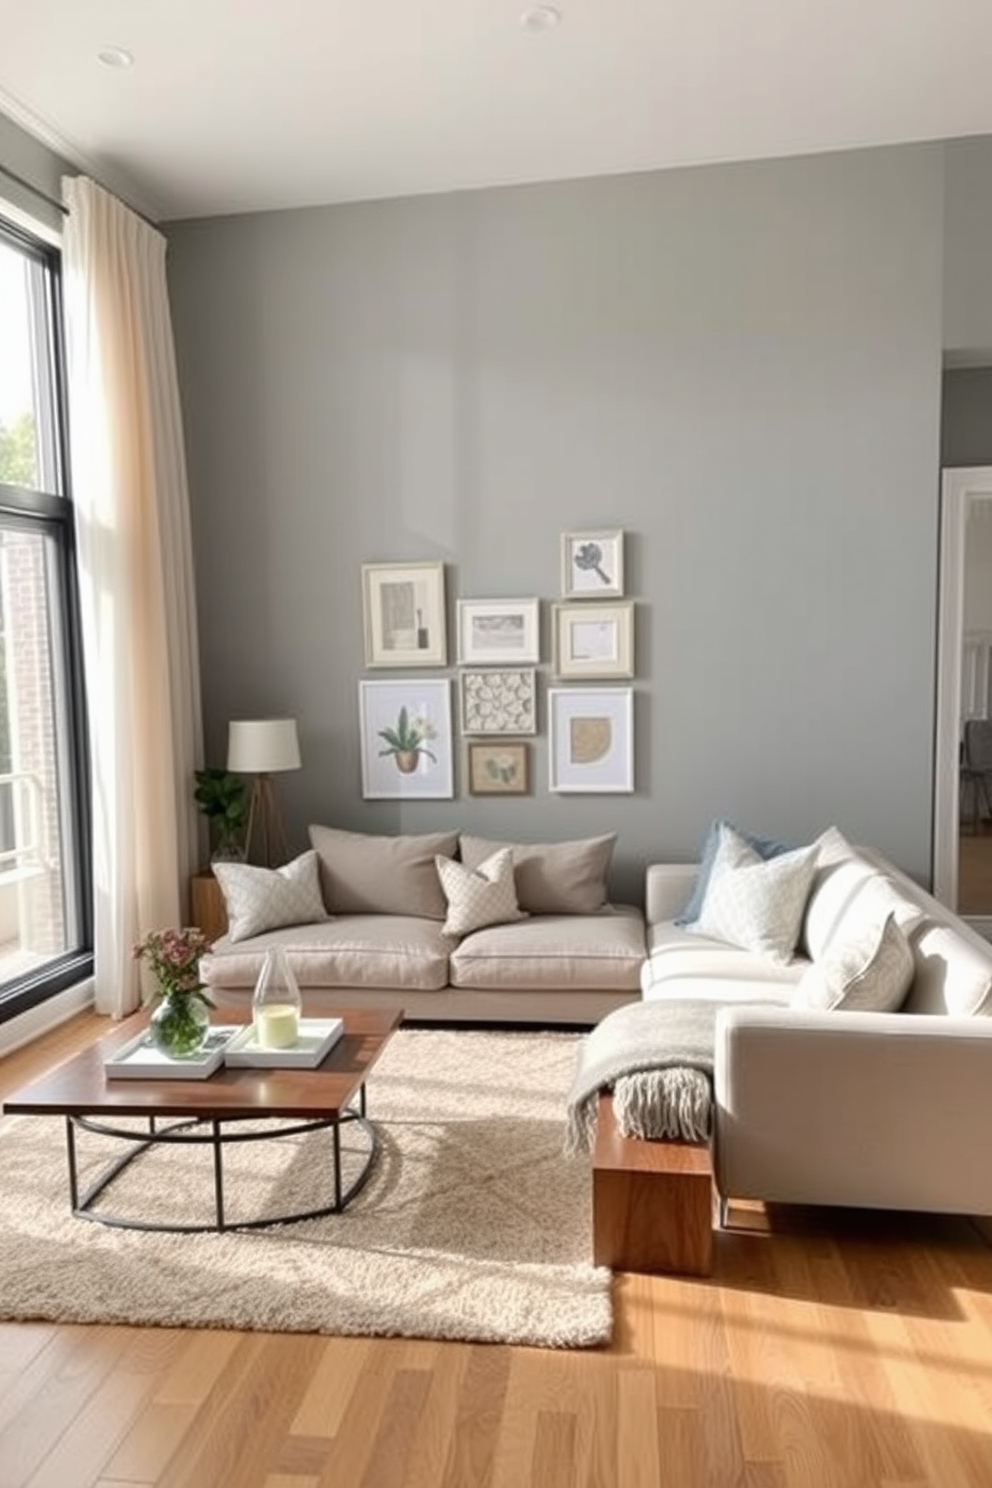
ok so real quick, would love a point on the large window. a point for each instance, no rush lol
(45, 918)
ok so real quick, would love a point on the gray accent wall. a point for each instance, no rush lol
(966, 425)
(738, 365)
(968, 251)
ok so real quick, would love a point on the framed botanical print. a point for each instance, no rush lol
(498, 700)
(497, 769)
(406, 739)
(404, 614)
(592, 564)
(492, 631)
(594, 641)
(591, 743)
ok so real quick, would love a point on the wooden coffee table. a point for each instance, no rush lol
(208, 1111)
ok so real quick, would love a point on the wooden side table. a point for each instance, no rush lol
(207, 901)
(652, 1202)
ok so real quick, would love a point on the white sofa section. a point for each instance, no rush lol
(880, 1110)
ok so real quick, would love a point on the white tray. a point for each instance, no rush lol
(317, 1036)
(139, 1059)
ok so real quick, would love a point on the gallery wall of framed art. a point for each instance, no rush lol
(510, 684)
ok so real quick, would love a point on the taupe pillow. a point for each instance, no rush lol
(552, 877)
(260, 899)
(362, 873)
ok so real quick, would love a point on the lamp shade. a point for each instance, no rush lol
(261, 746)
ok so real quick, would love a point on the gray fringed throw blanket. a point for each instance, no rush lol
(657, 1057)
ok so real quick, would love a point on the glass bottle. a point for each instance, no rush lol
(276, 1003)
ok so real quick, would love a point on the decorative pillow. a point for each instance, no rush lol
(765, 847)
(552, 877)
(260, 899)
(481, 896)
(753, 903)
(366, 874)
(845, 897)
(870, 973)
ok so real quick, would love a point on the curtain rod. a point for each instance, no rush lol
(34, 190)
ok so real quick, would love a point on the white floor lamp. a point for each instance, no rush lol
(263, 747)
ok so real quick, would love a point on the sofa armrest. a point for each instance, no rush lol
(667, 890)
(883, 1110)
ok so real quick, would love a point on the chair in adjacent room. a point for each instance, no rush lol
(976, 769)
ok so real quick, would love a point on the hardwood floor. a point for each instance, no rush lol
(827, 1351)
(975, 870)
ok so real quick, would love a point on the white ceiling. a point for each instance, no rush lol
(242, 105)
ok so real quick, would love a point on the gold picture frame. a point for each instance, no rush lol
(497, 768)
(593, 642)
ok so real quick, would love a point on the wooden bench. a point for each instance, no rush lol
(652, 1202)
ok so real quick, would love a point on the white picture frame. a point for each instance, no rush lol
(498, 631)
(592, 564)
(593, 641)
(591, 740)
(414, 709)
(403, 613)
(498, 700)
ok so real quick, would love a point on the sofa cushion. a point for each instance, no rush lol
(387, 951)
(765, 847)
(260, 899)
(755, 902)
(869, 973)
(848, 891)
(951, 975)
(362, 873)
(481, 896)
(721, 989)
(552, 878)
(684, 957)
(602, 952)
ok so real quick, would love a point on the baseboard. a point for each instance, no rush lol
(45, 1016)
(983, 1224)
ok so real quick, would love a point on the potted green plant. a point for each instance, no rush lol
(407, 741)
(224, 799)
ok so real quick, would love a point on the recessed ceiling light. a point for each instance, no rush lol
(540, 18)
(115, 56)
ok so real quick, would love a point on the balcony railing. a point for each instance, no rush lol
(20, 819)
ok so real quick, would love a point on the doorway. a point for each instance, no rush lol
(962, 867)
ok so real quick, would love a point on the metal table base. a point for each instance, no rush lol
(218, 1135)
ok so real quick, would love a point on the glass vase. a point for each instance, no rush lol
(230, 847)
(179, 1025)
(276, 1003)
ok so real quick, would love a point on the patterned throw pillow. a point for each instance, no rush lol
(765, 847)
(260, 899)
(481, 896)
(754, 903)
(870, 973)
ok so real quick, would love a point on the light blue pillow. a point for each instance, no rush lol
(765, 847)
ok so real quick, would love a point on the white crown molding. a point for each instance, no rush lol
(45, 133)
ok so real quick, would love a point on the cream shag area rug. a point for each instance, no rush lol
(473, 1224)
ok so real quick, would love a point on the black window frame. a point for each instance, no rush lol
(52, 514)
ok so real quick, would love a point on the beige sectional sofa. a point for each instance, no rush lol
(860, 1108)
(572, 956)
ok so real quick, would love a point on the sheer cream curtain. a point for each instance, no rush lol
(136, 579)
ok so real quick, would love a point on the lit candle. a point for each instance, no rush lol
(277, 1025)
